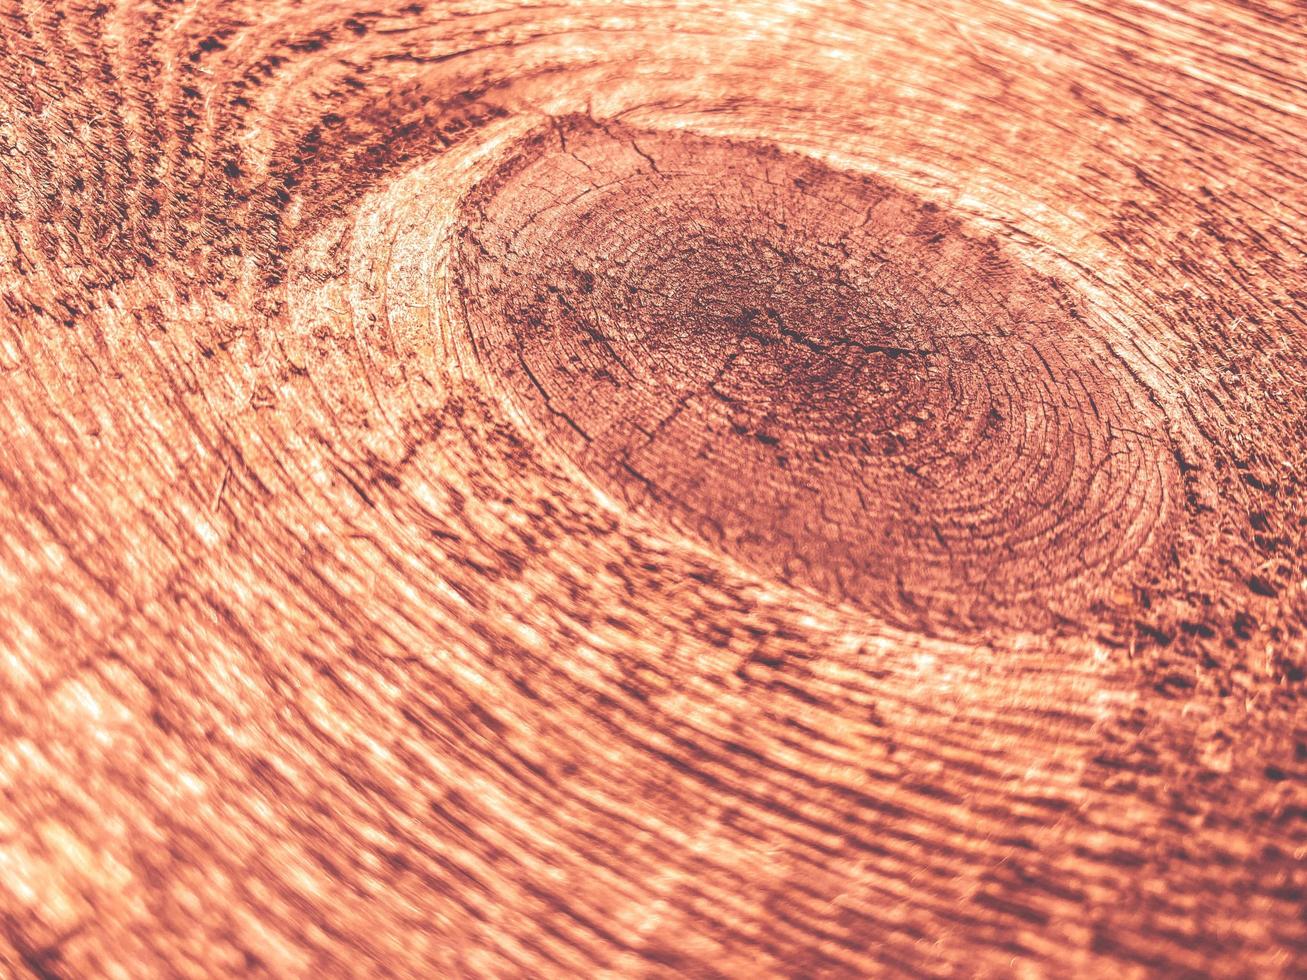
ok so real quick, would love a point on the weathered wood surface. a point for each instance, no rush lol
(746, 488)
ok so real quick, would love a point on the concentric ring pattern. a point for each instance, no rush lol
(585, 489)
(814, 372)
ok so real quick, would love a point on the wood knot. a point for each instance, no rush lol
(815, 372)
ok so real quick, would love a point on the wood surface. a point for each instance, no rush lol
(740, 488)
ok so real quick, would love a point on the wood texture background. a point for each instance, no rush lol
(741, 488)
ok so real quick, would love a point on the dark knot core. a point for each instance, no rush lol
(815, 372)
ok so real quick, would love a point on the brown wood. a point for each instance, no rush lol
(752, 488)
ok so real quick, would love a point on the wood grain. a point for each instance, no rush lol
(701, 489)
